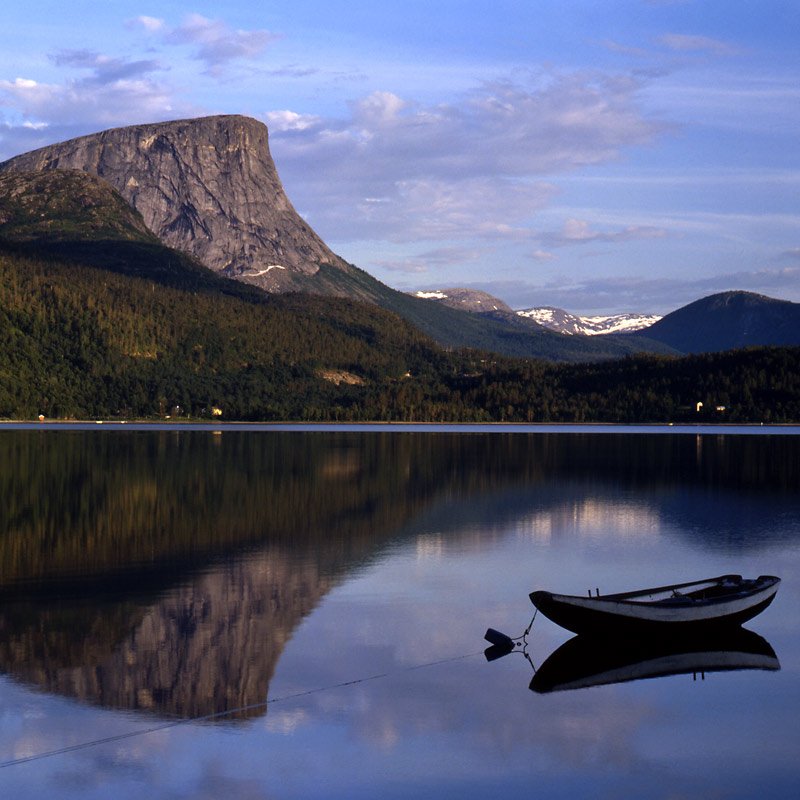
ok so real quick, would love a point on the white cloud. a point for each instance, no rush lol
(472, 168)
(289, 121)
(149, 24)
(114, 92)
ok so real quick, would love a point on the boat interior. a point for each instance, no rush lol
(701, 590)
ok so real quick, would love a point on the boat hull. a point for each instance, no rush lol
(679, 613)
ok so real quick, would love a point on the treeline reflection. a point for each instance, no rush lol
(166, 571)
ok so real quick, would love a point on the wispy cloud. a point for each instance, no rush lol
(579, 232)
(409, 266)
(627, 50)
(216, 43)
(686, 43)
(149, 24)
(640, 294)
(447, 256)
(104, 69)
(542, 255)
(476, 167)
(435, 260)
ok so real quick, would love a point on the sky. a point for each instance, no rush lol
(601, 156)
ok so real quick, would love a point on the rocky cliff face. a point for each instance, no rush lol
(206, 186)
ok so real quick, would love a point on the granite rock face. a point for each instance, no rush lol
(206, 186)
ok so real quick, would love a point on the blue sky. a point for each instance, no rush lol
(597, 156)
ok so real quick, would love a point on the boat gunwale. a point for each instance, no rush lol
(629, 598)
(617, 612)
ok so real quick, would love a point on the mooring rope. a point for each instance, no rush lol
(175, 723)
(528, 629)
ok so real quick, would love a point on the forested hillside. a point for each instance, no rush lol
(98, 319)
(77, 341)
(80, 342)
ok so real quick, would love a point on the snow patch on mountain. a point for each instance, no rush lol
(562, 321)
(555, 319)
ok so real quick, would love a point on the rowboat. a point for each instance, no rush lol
(698, 606)
(586, 661)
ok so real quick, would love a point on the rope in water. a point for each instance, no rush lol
(175, 723)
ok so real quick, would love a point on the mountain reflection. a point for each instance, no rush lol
(203, 648)
(167, 571)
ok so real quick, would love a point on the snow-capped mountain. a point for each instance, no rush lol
(562, 321)
(465, 299)
(556, 319)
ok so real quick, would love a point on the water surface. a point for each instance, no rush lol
(283, 613)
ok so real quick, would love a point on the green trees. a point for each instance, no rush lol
(80, 341)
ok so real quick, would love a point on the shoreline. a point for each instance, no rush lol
(753, 428)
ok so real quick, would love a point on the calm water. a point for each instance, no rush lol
(287, 614)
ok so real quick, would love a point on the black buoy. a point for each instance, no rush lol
(500, 639)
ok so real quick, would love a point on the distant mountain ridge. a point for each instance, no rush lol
(99, 319)
(723, 321)
(472, 300)
(208, 188)
(727, 321)
(557, 319)
(554, 319)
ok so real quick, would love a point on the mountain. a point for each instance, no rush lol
(161, 335)
(204, 186)
(98, 318)
(554, 319)
(465, 299)
(57, 205)
(557, 319)
(208, 187)
(729, 320)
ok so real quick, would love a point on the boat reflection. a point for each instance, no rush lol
(586, 661)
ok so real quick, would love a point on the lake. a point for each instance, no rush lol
(298, 612)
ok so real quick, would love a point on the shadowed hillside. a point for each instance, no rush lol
(729, 320)
(208, 187)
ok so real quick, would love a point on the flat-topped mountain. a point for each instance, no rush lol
(205, 186)
(208, 188)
